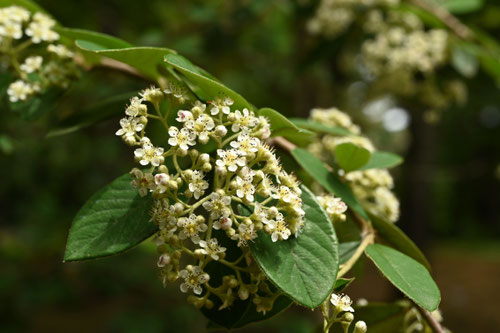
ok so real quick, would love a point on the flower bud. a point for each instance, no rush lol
(220, 130)
(360, 327)
(243, 293)
(204, 158)
(207, 167)
(163, 169)
(193, 153)
(209, 304)
(199, 254)
(164, 260)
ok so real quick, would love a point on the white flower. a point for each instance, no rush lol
(183, 116)
(212, 248)
(14, 13)
(41, 29)
(278, 228)
(129, 127)
(136, 108)
(177, 91)
(341, 303)
(221, 104)
(60, 50)
(201, 126)
(197, 185)
(183, 138)
(142, 181)
(246, 143)
(193, 277)
(334, 207)
(245, 187)
(149, 154)
(191, 227)
(218, 205)
(151, 94)
(161, 182)
(260, 214)
(231, 159)
(164, 260)
(223, 223)
(20, 90)
(284, 194)
(32, 64)
(243, 120)
(246, 233)
(11, 29)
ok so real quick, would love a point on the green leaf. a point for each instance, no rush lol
(146, 60)
(464, 59)
(382, 160)
(406, 274)
(341, 284)
(317, 169)
(381, 317)
(282, 126)
(397, 239)
(102, 41)
(98, 112)
(462, 6)
(351, 156)
(346, 250)
(304, 268)
(319, 127)
(113, 220)
(208, 87)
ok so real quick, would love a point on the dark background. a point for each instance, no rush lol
(449, 186)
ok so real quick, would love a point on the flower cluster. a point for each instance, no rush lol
(211, 205)
(398, 54)
(333, 17)
(41, 68)
(342, 313)
(372, 187)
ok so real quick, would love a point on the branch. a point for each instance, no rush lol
(433, 323)
(460, 29)
(282, 142)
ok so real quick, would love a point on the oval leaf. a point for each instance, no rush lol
(113, 220)
(105, 41)
(406, 274)
(304, 268)
(391, 234)
(208, 86)
(317, 169)
(382, 160)
(147, 60)
(351, 157)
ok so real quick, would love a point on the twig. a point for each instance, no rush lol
(283, 143)
(433, 323)
(460, 29)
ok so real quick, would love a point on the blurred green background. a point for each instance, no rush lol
(449, 186)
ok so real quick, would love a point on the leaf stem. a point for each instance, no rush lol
(433, 323)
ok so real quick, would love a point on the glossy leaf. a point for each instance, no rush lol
(282, 126)
(209, 88)
(102, 40)
(397, 239)
(382, 160)
(146, 60)
(113, 220)
(319, 127)
(304, 268)
(317, 169)
(406, 274)
(341, 284)
(351, 156)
